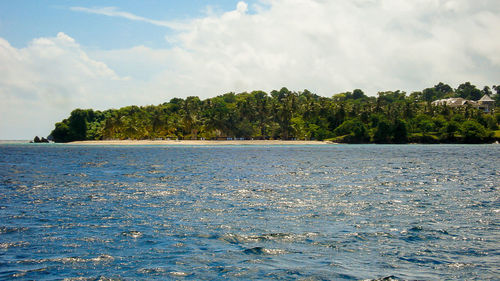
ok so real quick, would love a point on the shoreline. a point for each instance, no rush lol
(199, 142)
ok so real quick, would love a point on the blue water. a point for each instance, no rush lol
(340, 212)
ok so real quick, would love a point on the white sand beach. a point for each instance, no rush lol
(199, 142)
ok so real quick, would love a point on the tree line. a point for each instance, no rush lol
(350, 117)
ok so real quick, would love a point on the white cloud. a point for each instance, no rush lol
(242, 7)
(333, 46)
(114, 12)
(324, 46)
(42, 83)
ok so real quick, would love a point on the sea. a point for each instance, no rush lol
(316, 212)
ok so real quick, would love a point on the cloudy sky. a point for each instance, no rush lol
(59, 55)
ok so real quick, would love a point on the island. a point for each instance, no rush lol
(439, 114)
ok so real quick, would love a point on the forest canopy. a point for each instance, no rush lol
(351, 117)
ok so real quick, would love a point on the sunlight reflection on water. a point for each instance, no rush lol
(329, 212)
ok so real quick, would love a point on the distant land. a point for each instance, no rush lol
(440, 114)
(13, 141)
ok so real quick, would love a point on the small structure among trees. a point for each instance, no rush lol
(486, 103)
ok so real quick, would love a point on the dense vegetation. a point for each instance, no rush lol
(353, 117)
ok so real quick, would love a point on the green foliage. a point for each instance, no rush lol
(468, 91)
(474, 132)
(389, 97)
(489, 121)
(421, 138)
(424, 124)
(400, 131)
(382, 132)
(82, 124)
(358, 94)
(496, 95)
(355, 95)
(78, 124)
(355, 128)
(496, 135)
(437, 92)
(449, 131)
(61, 132)
(443, 90)
(391, 117)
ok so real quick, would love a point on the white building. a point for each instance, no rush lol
(486, 103)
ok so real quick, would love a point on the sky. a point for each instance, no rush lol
(59, 55)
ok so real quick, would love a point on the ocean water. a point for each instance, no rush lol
(339, 212)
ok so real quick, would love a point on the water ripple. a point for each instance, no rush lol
(345, 212)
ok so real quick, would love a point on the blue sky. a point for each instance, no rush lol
(56, 56)
(21, 20)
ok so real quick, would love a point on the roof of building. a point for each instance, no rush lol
(451, 102)
(486, 98)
